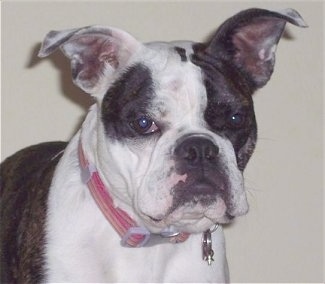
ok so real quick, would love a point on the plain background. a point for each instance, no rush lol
(281, 238)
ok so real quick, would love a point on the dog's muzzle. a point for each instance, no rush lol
(197, 156)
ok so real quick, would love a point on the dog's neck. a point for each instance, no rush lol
(132, 235)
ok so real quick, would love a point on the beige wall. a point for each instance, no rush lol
(280, 240)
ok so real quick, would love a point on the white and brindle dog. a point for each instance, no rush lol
(158, 163)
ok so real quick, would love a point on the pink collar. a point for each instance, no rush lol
(132, 235)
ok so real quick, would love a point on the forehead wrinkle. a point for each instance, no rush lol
(160, 56)
(182, 96)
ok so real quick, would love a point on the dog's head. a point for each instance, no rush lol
(175, 121)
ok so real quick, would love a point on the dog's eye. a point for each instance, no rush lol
(144, 125)
(236, 120)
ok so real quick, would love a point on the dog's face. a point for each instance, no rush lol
(187, 137)
(176, 124)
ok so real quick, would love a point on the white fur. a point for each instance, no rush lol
(81, 244)
(83, 247)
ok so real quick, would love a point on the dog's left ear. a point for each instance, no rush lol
(95, 53)
(248, 41)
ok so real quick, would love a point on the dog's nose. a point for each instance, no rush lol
(197, 150)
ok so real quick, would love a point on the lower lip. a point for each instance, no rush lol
(230, 217)
(155, 219)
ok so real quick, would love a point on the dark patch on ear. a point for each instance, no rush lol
(247, 42)
(181, 52)
(214, 67)
(126, 100)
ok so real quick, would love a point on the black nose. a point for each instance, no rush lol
(197, 150)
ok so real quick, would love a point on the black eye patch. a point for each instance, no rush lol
(128, 97)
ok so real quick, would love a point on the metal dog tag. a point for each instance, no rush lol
(207, 250)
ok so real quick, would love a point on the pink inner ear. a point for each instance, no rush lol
(90, 48)
(110, 58)
(251, 40)
(255, 47)
(90, 53)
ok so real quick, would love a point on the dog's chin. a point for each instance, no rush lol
(190, 218)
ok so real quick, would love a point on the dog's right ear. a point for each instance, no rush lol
(95, 53)
(247, 42)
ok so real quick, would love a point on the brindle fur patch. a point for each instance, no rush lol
(25, 180)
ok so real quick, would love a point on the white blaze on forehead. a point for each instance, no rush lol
(180, 94)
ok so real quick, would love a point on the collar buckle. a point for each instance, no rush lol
(133, 235)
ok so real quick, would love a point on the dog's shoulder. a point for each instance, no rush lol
(29, 160)
(24, 182)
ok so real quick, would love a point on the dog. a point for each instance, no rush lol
(141, 191)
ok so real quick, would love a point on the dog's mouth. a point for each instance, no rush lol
(156, 220)
(193, 202)
(228, 217)
(194, 216)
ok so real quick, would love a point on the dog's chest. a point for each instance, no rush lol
(95, 255)
(82, 246)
